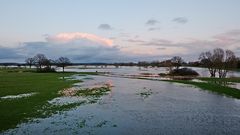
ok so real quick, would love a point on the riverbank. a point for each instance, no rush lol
(216, 85)
(25, 95)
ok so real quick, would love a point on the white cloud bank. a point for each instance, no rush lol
(84, 47)
(69, 37)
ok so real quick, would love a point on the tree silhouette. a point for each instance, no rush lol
(218, 61)
(29, 61)
(63, 62)
(40, 60)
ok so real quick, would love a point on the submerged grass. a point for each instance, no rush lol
(94, 92)
(212, 86)
(232, 79)
(216, 85)
(145, 93)
(20, 81)
(90, 73)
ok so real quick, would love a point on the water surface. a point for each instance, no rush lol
(143, 107)
(134, 70)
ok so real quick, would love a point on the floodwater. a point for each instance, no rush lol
(142, 107)
(126, 70)
(18, 96)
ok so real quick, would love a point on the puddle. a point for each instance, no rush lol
(18, 96)
(198, 80)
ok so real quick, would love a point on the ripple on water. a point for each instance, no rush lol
(171, 109)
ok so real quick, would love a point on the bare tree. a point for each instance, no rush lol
(49, 63)
(219, 61)
(40, 60)
(238, 62)
(63, 62)
(177, 61)
(29, 61)
(169, 65)
(229, 62)
(207, 59)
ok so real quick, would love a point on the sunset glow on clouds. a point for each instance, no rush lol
(117, 31)
(155, 51)
(68, 37)
(87, 47)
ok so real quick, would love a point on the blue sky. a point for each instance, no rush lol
(138, 29)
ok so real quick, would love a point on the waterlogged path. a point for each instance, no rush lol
(136, 106)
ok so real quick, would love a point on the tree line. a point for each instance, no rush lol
(43, 64)
(218, 61)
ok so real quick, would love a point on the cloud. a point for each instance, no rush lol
(230, 37)
(135, 41)
(157, 42)
(81, 47)
(84, 47)
(152, 22)
(124, 35)
(9, 54)
(181, 20)
(154, 29)
(71, 37)
(161, 48)
(105, 27)
(192, 48)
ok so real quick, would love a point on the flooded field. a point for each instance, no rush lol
(134, 106)
(124, 70)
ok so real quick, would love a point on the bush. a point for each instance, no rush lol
(46, 70)
(162, 74)
(184, 72)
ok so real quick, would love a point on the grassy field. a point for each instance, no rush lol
(233, 79)
(216, 85)
(46, 87)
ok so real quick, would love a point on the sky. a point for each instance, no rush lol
(117, 30)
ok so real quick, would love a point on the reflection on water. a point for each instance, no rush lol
(234, 85)
(166, 109)
(124, 70)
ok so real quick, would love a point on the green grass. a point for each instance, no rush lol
(94, 92)
(232, 79)
(212, 86)
(46, 85)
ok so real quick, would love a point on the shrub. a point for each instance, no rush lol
(184, 72)
(46, 70)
